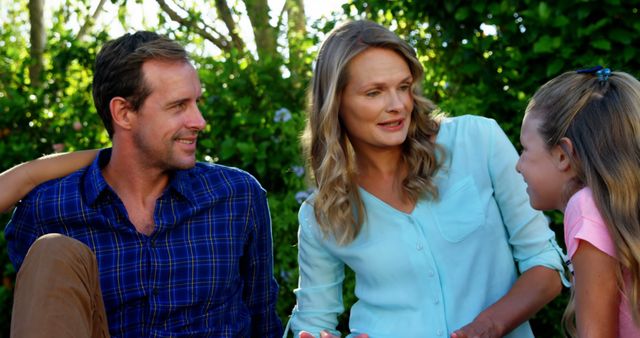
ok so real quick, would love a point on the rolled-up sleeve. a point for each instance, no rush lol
(532, 241)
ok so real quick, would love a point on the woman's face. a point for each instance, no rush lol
(377, 101)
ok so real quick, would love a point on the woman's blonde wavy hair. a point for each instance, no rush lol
(338, 206)
(602, 120)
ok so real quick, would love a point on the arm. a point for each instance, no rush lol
(16, 182)
(261, 288)
(597, 294)
(319, 292)
(532, 242)
(535, 288)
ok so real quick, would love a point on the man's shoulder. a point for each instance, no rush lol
(222, 174)
(56, 187)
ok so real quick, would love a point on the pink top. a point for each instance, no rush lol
(582, 221)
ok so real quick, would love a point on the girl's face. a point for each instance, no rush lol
(377, 102)
(544, 170)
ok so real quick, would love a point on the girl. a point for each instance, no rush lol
(581, 155)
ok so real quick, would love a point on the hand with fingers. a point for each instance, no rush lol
(327, 334)
(477, 329)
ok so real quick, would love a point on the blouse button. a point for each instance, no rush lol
(439, 332)
(419, 246)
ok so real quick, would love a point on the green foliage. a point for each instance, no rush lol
(255, 109)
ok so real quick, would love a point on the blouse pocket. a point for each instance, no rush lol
(459, 211)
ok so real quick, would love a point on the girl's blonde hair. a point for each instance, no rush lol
(601, 117)
(338, 206)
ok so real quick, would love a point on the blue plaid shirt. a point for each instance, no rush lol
(206, 271)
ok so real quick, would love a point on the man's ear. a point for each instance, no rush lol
(121, 112)
(562, 154)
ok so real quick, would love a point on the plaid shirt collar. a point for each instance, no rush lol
(96, 187)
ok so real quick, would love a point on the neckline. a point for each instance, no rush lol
(375, 199)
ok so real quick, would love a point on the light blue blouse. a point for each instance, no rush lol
(430, 272)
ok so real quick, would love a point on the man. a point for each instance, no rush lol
(173, 247)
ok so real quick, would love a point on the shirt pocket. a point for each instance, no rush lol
(459, 211)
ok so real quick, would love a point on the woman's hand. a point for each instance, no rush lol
(533, 289)
(326, 334)
(479, 328)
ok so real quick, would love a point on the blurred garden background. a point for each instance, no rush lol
(255, 59)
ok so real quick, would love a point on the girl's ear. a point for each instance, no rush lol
(120, 112)
(562, 154)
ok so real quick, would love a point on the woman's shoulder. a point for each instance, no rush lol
(468, 122)
(308, 223)
(478, 128)
(306, 214)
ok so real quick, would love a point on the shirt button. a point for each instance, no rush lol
(439, 332)
(155, 291)
(419, 246)
(436, 301)
(431, 273)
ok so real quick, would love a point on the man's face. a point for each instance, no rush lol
(168, 122)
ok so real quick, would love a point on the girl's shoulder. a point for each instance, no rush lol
(583, 204)
(583, 222)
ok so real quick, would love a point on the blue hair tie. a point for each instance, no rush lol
(601, 72)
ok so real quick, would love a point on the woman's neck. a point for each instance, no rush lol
(382, 175)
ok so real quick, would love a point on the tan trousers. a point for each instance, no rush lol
(57, 291)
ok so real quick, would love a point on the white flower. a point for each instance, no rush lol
(282, 115)
(298, 170)
(301, 196)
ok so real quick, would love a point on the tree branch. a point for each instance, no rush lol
(90, 20)
(38, 40)
(217, 41)
(225, 14)
(263, 33)
(296, 31)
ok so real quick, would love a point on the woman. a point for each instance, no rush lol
(428, 211)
